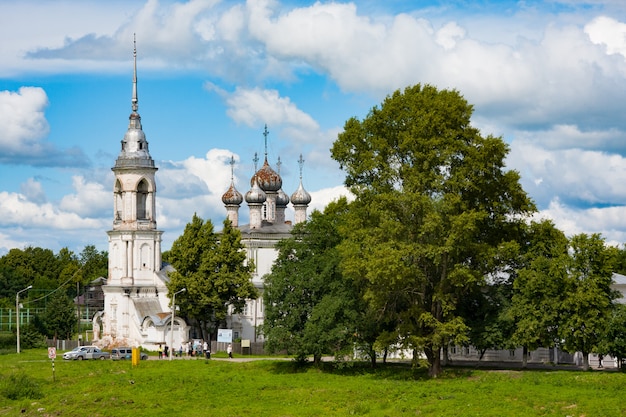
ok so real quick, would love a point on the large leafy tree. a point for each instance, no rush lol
(214, 271)
(310, 309)
(589, 301)
(613, 340)
(433, 205)
(538, 290)
(59, 321)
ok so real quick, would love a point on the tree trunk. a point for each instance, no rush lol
(524, 356)
(373, 357)
(434, 361)
(445, 356)
(585, 361)
(317, 359)
(385, 355)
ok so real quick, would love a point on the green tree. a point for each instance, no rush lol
(433, 205)
(589, 301)
(538, 290)
(613, 337)
(60, 318)
(214, 270)
(310, 309)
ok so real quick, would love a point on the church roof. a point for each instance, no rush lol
(148, 307)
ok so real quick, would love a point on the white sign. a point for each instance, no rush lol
(52, 352)
(225, 335)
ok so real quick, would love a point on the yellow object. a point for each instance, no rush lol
(136, 356)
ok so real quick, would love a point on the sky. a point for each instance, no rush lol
(549, 77)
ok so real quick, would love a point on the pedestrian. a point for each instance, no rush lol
(160, 352)
(207, 352)
(166, 351)
(229, 349)
(180, 351)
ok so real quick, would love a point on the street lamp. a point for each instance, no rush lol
(17, 311)
(172, 322)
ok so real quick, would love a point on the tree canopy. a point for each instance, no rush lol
(213, 269)
(433, 206)
(310, 309)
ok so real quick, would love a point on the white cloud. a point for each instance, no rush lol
(33, 191)
(16, 209)
(609, 32)
(610, 222)
(579, 177)
(91, 199)
(23, 120)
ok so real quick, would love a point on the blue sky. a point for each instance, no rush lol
(547, 76)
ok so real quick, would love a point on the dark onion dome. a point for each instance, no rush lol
(282, 199)
(300, 196)
(256, 194)
(267, 178)
(232, 196)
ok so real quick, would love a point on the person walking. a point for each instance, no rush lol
(229, 350)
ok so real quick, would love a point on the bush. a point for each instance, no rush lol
(20, 386)
(7, 340)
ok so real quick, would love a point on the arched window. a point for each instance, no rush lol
(142, 198)
(118, 203)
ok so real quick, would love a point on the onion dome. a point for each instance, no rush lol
(300, 196)
(267, 178)
(282, 199)
(232, 196)
(256, 194)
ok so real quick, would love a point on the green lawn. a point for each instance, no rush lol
(278, 388)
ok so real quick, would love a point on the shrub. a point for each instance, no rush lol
(20, 386)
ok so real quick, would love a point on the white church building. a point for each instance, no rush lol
(137, 310)
(267, 203)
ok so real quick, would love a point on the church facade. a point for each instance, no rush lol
(136, 305)
(137, 309)
(267, 203)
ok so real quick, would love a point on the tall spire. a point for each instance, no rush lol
(301, 163)
(265, 133)
(134, 100)
(256, 161)
(278, 164)
(232, 168)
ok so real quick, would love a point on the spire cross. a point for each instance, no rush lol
(256, 160)
(134, 100)
(300, 163)
(265, 133)
(232, 168)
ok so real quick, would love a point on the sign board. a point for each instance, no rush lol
(52, 352)
(245, 343)
(225, 335)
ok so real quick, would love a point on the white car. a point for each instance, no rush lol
(86, 352)
(72, 353)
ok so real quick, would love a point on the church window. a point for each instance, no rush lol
(142, 199)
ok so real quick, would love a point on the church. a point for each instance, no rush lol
(267, 203)
(137, 310)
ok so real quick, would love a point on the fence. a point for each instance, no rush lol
(8, 322)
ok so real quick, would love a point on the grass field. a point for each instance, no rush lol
(200, 387)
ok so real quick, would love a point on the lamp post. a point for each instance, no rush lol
(17, 311)
(172, 322)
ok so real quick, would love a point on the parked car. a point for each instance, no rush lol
(86, 352)
(72, 353)
(123, 353)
